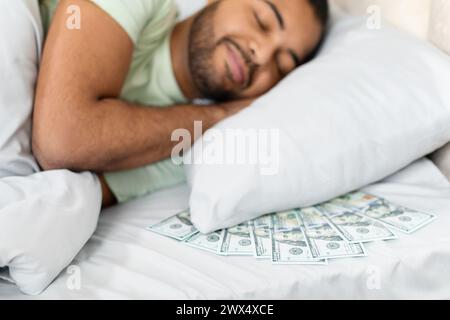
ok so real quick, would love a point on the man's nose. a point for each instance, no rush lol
(263, 51)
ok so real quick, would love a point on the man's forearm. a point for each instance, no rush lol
(149, 137)
(112, 135)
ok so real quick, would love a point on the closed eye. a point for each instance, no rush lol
(261, 25)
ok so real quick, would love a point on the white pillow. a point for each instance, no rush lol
(369, 105)
(45, 218)
(19, 58)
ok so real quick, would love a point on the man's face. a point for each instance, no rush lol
(242, 48)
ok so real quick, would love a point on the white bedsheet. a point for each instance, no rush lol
(125, 261)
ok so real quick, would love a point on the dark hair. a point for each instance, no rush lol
(321, 10)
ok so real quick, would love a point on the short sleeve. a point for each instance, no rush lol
(127, 185)
(133, 15)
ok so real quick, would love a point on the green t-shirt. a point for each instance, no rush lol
(150, 81)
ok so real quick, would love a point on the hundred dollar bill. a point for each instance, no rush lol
(324, 240)
(178, 227)
(237, 241)
(263, 222)
(355, 200)
(291, 247)
(355, 227)
(398, 217)
(261, 241)
(209, 242)
(285, 221)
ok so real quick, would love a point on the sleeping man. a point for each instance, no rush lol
(118, 77)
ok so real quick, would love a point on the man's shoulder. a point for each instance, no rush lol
(137, 15)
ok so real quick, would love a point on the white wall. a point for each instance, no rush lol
(411, 15)
(439, 31)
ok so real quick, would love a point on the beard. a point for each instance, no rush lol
(201, 56)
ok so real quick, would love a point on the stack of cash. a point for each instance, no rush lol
(335, 229)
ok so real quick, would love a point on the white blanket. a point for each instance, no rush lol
(125, 261)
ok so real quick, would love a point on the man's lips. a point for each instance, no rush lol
(237, 65)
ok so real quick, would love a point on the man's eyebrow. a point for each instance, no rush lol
(276, 12)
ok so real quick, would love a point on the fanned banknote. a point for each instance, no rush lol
(324, 240)
(237, 241)
(209, 242)
(178, 227)
(285, 221)
(263, 222)
(355, 200)
(260, 235)
(398, 217)
(355, 227)
(291, 247)
(335, 229)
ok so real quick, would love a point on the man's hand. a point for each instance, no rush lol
(80, 123)
(233, 107)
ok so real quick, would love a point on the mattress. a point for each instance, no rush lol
(125, 261)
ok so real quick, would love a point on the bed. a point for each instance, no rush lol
(124, 261)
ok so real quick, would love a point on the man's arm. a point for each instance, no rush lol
(79, 121)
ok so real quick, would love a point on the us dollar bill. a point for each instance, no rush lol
(285, 221)
(178, 227)
(260, 235)
(355, 227)
(237, 241)
(355, 200)
(291, 247)
(398, 217)
(263, 221)
(324, 240)
(209, 242)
